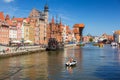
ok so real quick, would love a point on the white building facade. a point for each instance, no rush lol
(64, 35)
(117, 37)
(13, 33)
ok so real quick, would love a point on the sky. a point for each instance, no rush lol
(98, 16)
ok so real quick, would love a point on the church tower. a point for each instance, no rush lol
(46, 10)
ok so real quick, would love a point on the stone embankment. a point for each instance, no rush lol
(69, 45)
(16, 51)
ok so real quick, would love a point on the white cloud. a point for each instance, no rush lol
(8, 1)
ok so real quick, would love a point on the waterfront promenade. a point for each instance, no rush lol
(15, 51)
(22, 50)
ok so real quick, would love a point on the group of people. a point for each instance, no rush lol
(5, 50)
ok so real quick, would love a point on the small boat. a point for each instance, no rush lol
(73, 63)
(114, 44)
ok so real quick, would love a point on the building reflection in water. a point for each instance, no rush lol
(70, 69)
(55, 64)
(118, 49)
(76, 53)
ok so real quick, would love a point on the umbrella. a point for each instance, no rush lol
(16, 41)
(28, 41)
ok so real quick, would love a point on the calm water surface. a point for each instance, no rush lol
(94, 63)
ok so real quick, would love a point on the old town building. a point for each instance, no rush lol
(4, 34)
(25, 33)
(60, 32)
(25, 25)
(13, 33)
(4, 30)
(77, 29)
(69, 34)
(55, 30)
(107, 37)
(36, 29)
(64, 34)
(32, 31)
(117, 36)
(41, 22)
(28, 31)
(17, 22)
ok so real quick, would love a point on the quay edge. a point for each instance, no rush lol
(18, 53)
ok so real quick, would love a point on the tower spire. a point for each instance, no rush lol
(52, 20)
(60, 21)
(46, 8)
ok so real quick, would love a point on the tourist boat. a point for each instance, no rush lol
(53, 45)
(73, 63)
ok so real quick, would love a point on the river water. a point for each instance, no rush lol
(93, 63)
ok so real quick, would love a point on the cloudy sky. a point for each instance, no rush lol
(99, 16)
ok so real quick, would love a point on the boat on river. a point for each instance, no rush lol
(114, 44)
(53, 45)
(73, 63)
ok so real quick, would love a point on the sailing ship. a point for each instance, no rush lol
(53, 45)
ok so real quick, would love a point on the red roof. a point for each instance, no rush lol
(79, 25)
(18, 19)
(67, 27)
(9, 22)
(2, 16)
(27, 19)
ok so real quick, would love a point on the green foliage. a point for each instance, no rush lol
(91, 40)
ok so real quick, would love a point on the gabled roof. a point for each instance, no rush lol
(2, 16)
(9, 22)
(26, 20)
(35, 13)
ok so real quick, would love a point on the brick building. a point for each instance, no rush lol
(4, 30)
(54, 30)
(117, 36)
(41, 22)
(60, 32)
(77, 29)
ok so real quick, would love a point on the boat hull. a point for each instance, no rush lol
(71, 63)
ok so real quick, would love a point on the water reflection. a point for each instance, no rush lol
(93, 63)
(70, 69)
(30, 67)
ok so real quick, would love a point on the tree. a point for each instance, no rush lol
(91, 40)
